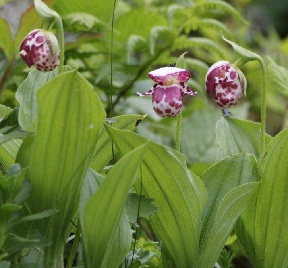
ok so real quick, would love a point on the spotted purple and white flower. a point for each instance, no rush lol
(40, 48)
(169, 90)
(226, 83)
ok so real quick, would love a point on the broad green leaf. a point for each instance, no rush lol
(101, 9)
(262, 229)
(104, 153)
(179, 195)
(8, 152)
(198, 136)
(27, 97)
(278, 76)
(105, 211)
(6, 40)
(142, 20)
(230, 185)
(235, 136)
(70, 116)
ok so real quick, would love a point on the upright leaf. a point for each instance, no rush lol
(58, 155)
(104, 212)
(6, 40)
(179, 195)
(229, 191)
(263, 227)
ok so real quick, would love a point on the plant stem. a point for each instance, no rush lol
(263, 104)
(74, 246)
(178, 132)
(61, 43)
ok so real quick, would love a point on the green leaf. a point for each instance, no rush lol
(9, 127)
(139, 205)
(136, 45)
(214, 24)
(160, 37)
(181, 62)
(230, 185)
(6, 40)
(235, 136)
(142, 20)
(262, 229)
(278, 76)
(204, 6)
(101, 9)
(26, 95)
(179, 195)
(103, 153)
(44, 11)
(58, 155)
(81, 21)
(4, 264)
(106, 208)
(198, 42)
(244, 53)
(8, 152)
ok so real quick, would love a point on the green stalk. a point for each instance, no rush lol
(74, 246)
(178, 132)
(263, 104)
(61, 43)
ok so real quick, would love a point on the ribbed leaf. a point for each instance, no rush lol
(104, 213)
(263, 227)
(58, 155)
(179, 195)
(230, 186)
(103, 153)
(235, 136)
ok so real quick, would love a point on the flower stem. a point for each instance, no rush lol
(61, 43)
(178, 132)
(263, 104)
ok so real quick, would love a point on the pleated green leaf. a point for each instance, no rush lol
(103, 153)
(70, 116)
(230, 186)
(235, 136)
(179, 195)
(105, 244)
(263, 227)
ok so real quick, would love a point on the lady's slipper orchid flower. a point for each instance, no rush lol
(169, 90)
(227, 84)
(40, 48)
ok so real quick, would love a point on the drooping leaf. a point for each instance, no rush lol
(244, 53)
(136, 46)
(160, 37)
(70, 116)
(81, 21)
(104, 212)
(179, 195)
(262, 229)
(230, 184)
(235, 136)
